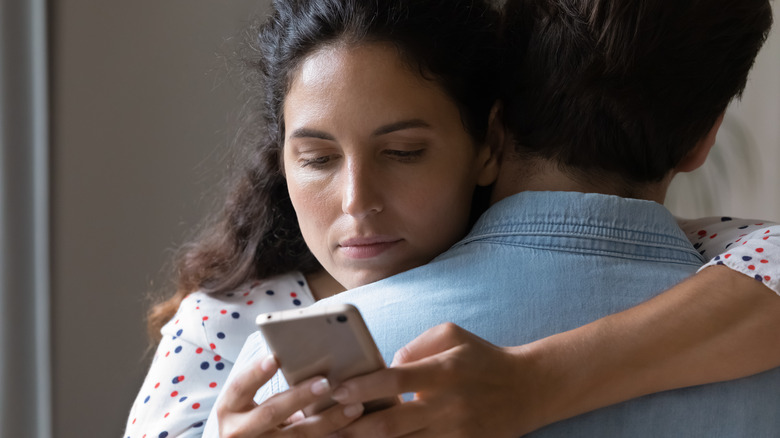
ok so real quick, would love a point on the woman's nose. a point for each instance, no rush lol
(362, 194)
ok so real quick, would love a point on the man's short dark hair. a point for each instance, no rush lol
(626, 86)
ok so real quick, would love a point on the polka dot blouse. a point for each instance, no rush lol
(197, 351)
(201, 343)
(747, 246)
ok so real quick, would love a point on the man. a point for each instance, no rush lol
(612, 99)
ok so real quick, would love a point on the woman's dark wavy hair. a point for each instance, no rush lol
(256, 234)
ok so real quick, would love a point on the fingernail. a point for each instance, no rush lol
(268, 363)
(340, 394)
(320, 386)
(351, 411)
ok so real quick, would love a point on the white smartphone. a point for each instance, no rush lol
(331, 341)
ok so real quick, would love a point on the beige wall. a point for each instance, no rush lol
(140, 126)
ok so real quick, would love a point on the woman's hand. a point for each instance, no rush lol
(279, 416)
(463, 385)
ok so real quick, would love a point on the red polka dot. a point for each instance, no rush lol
(764, 261)
(166, 354)
(766, 238)
(767, 231)
(157, 385)
(197, 308)
(223, 311)
(714, 236)
(760, 224)
(727, 256)
(752, 268)
(217, 358)
(181, 378)
(174, 393)
(199, 350)
(134, 420)
(250, 302)
(246, 293)
(177, 321)
(759, 249)
(166, 415)
(767, 278)
(702, 233)
(205, 318)
(213, 347)
(196, 406)
(213, 385)
(293, 294)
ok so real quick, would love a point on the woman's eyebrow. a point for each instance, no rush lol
(311, 133)
(399, 126)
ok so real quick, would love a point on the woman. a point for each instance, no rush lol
(431, 68)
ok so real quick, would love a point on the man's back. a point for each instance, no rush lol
(540, 263)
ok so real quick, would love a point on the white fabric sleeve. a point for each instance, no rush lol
(744, 245)
(182, 383)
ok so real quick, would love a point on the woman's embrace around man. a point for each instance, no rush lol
(381, 130)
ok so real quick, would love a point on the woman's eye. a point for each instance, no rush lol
(405, 156)
(315, 162)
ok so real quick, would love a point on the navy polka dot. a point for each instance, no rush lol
(147, 398)
(198, 424)
(747, 258)
(179, 332)
(176, 380)
(269, 292)
(178, 349)
(725, 219)
(204, 365)
(300, 283)
(230, 294)
(743, 227)
(221, 335)
(758, 277)
(297, 302)
(163, 434)
(719, 263)
(182, 399)
(235, 315)
(219, 366)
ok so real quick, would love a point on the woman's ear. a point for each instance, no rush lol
(489, 158)
(696, 156)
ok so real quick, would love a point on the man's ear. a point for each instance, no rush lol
(696, 156)
(489, 158)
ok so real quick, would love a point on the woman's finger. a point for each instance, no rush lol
(278, 408)
(400, 420)
(240, 392)
(324, 423)
(432, 341)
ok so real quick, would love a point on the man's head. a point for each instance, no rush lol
(626, 87)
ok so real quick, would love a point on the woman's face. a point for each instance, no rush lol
(380, 169)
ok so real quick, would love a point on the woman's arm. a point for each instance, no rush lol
(716, 326)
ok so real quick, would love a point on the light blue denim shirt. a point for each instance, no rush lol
(539, 263)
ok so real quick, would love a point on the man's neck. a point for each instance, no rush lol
(521, 174)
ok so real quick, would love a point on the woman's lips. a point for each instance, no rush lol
(367, 247)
